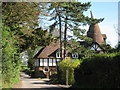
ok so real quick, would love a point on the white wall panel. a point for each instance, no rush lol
(50, 62)
(45, 62)
(54, 62)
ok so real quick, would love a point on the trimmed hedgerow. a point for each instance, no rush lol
(99, 71)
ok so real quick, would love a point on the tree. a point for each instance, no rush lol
(20, 32)
(22, 20)
(10, 58)
(71, 17)
(56, 12)
(39, 38)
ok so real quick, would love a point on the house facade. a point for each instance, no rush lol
(47, 59)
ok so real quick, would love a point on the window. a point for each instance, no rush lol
(45, 62)
(46, 68)
(58, 54)
(54, 62)
(75, 55)
(41, 62)
(50, 62)
(58, 59)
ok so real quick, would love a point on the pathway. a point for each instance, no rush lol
(32, 83)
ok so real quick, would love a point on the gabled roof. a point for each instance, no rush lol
(46, 51)
(95, 43)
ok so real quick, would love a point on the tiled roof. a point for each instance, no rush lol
(49, 50)
(95, 33)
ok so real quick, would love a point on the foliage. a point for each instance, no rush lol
(108, 48)
(54, 79)
(10, 59)
(73, 11)
(30, 53)
(20, 32)
(26, 14)
(99, 71)
(23, 20)
(68, 65)
(117, 49)
(74, 46)
(24, 67)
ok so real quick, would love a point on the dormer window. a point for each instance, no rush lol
(75, 55)
(58, 54)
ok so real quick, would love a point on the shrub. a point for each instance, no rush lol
(24, 68)
(54, 79)
(66, 69)
(99, 71)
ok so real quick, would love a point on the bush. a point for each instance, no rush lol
(99, 71)
(54, 79)
(24, 68)
(66, 69)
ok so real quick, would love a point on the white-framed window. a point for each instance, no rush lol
(75, 55)
(58, 54)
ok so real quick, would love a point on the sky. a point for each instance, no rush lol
(108, 11)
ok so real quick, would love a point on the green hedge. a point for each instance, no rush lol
(99, 71)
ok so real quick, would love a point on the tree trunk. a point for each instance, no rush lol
(60, 31)
(65, 36)
(60, 37)
(66, 76)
